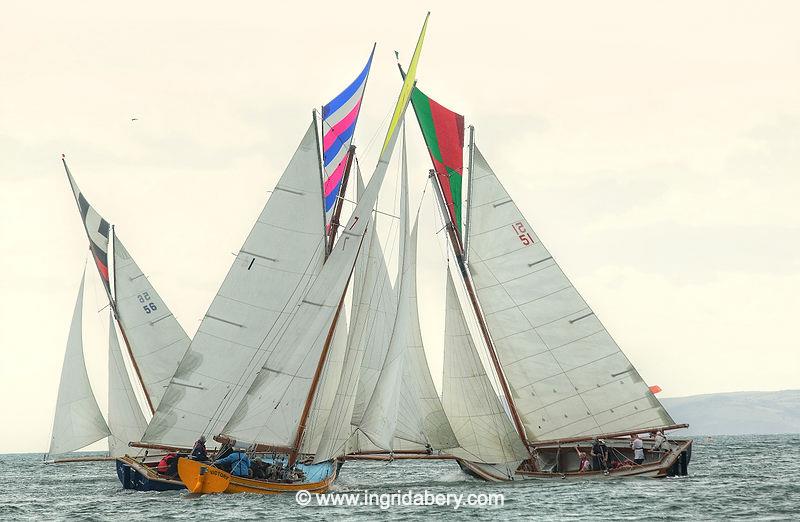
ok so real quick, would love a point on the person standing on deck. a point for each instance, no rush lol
(638, 449)
(239, 461)
(599, 455)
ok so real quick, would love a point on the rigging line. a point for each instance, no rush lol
(377, 131)
(254, 368)
(295, 375)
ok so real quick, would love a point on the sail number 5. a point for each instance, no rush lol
(147, 307)
(523, 235)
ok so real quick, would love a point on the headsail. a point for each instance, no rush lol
(568, 376)
(157, 340)
(260, 293)
(420, 411)
(78, 421)
(482, 428)
(125, 419)
(339, 119)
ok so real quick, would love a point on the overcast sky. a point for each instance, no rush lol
(653, 146)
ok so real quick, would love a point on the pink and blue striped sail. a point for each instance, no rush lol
(339, 118)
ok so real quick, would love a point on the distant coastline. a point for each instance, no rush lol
(737, 413)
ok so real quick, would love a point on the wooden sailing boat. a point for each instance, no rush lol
(255, 374)
(154, 339)
(562, 378)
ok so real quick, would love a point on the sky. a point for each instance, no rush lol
(654, 148)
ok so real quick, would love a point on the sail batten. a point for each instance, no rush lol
(567, 375)
(270, 274)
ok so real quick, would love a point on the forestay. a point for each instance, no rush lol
(78, 421)
(125, 418)
(250, 311)
(484, 432)
(157, 340)
(567, 375)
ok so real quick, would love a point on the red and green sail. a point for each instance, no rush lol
(443, 130)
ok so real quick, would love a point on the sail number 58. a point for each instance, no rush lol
(523, 235)
(147, 307)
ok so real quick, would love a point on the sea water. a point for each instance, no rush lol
(742, 477)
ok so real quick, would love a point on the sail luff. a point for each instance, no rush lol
(115, 314)
(301, 426)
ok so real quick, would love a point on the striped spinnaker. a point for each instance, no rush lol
(339, 119)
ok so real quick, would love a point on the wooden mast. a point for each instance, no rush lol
(301, 427)
(113, 304)
(471, 155)
(459, 254)
(337, 206)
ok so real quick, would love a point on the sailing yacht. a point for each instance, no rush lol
(557, 382)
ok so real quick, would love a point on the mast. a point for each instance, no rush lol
(113, 304)
(469, 191)
(459, 254)
(301, 427)
(337, 207)
(321, 173)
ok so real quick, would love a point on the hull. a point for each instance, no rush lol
(668, 464)
(201, 477)
(141, 477)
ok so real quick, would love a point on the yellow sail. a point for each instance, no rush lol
(408, 84)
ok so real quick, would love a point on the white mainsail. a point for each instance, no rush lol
(78, 421)
(260, 293)
(484, 431)
(272, 409)
(567, 375)
(157, 340)
(125, 418)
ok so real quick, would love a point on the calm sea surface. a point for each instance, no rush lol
(744, 477)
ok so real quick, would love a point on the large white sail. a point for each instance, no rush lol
(157, 340)
(484, 431)
(379, 420)
(272, 408)
(258, 296)
(125, 418)
(567, 375)
(372, 299)
(420, 412)
(372, 332)
(78, 421)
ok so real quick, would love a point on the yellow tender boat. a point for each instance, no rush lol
(202, 477)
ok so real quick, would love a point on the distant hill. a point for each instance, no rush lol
(738, 413)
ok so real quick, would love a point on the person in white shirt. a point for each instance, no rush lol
(660, 442)
(638, 449)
